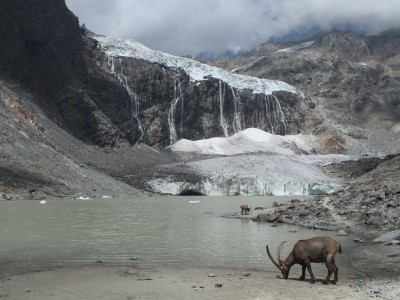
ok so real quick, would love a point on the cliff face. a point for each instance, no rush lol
(40, 44)
(42, 49)
(173, 97)
(167, 105)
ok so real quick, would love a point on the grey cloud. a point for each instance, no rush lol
(194, 26)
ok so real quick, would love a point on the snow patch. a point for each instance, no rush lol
(297, 47)
(249, 141)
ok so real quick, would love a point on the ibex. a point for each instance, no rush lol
(317, 250)
(245, 208)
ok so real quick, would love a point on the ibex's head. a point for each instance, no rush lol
(281, 265)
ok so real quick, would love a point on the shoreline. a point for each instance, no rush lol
(168, 282)
(363, 274)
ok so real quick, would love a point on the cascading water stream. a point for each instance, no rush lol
(274, 114)
(178, 95)
(222, 120)
(134, 101)
(268, 113)
(280, 115)
(237, 120)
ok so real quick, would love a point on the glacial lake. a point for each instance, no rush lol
(152, 230)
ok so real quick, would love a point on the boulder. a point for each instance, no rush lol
(266, 218)
(387, 237)
(303, 212)
(391, 243)
(373, 220)
(342, 233)
(269, 211)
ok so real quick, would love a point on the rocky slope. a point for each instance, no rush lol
(38, 159)
(352, 79)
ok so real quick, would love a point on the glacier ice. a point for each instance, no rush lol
(242, 187)
(119, 47)
(254, 162)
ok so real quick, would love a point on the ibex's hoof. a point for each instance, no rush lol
(302, 278)
(312, 281)
(325, 282)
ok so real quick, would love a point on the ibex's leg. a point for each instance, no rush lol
(308, 264)
(336, 270)
(303, 273)
(329, 265)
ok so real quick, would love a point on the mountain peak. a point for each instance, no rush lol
(342, 44)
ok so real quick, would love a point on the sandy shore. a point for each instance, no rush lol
(365, 271)
(119, 282)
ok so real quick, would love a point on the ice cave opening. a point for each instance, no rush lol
(191, 192)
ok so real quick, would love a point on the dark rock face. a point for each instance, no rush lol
(42, 48)
(168, 106)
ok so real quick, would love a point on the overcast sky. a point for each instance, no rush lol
(183, 27)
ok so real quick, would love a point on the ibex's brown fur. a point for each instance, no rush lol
(244, 208)
(317, 249)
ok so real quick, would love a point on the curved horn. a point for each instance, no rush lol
(280, 251)
(272, 259)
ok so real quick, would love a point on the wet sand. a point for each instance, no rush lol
(365, 271)
(118, 282)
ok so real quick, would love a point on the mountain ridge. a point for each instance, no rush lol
(352, 79)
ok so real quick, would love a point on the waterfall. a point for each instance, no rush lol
(237, 119)
(133, 98)
(222, 121)
(181, 128)
(268, 113)
(171, 113)
(275, 115)
(280, 115)
(112, 64)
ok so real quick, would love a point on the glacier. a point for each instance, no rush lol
(119, 47)
(242, 187)
(254, 163)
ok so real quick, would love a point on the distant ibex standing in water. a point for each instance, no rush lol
(317, 250)
(244, 208)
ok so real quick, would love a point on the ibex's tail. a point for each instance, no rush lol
(340, 248)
